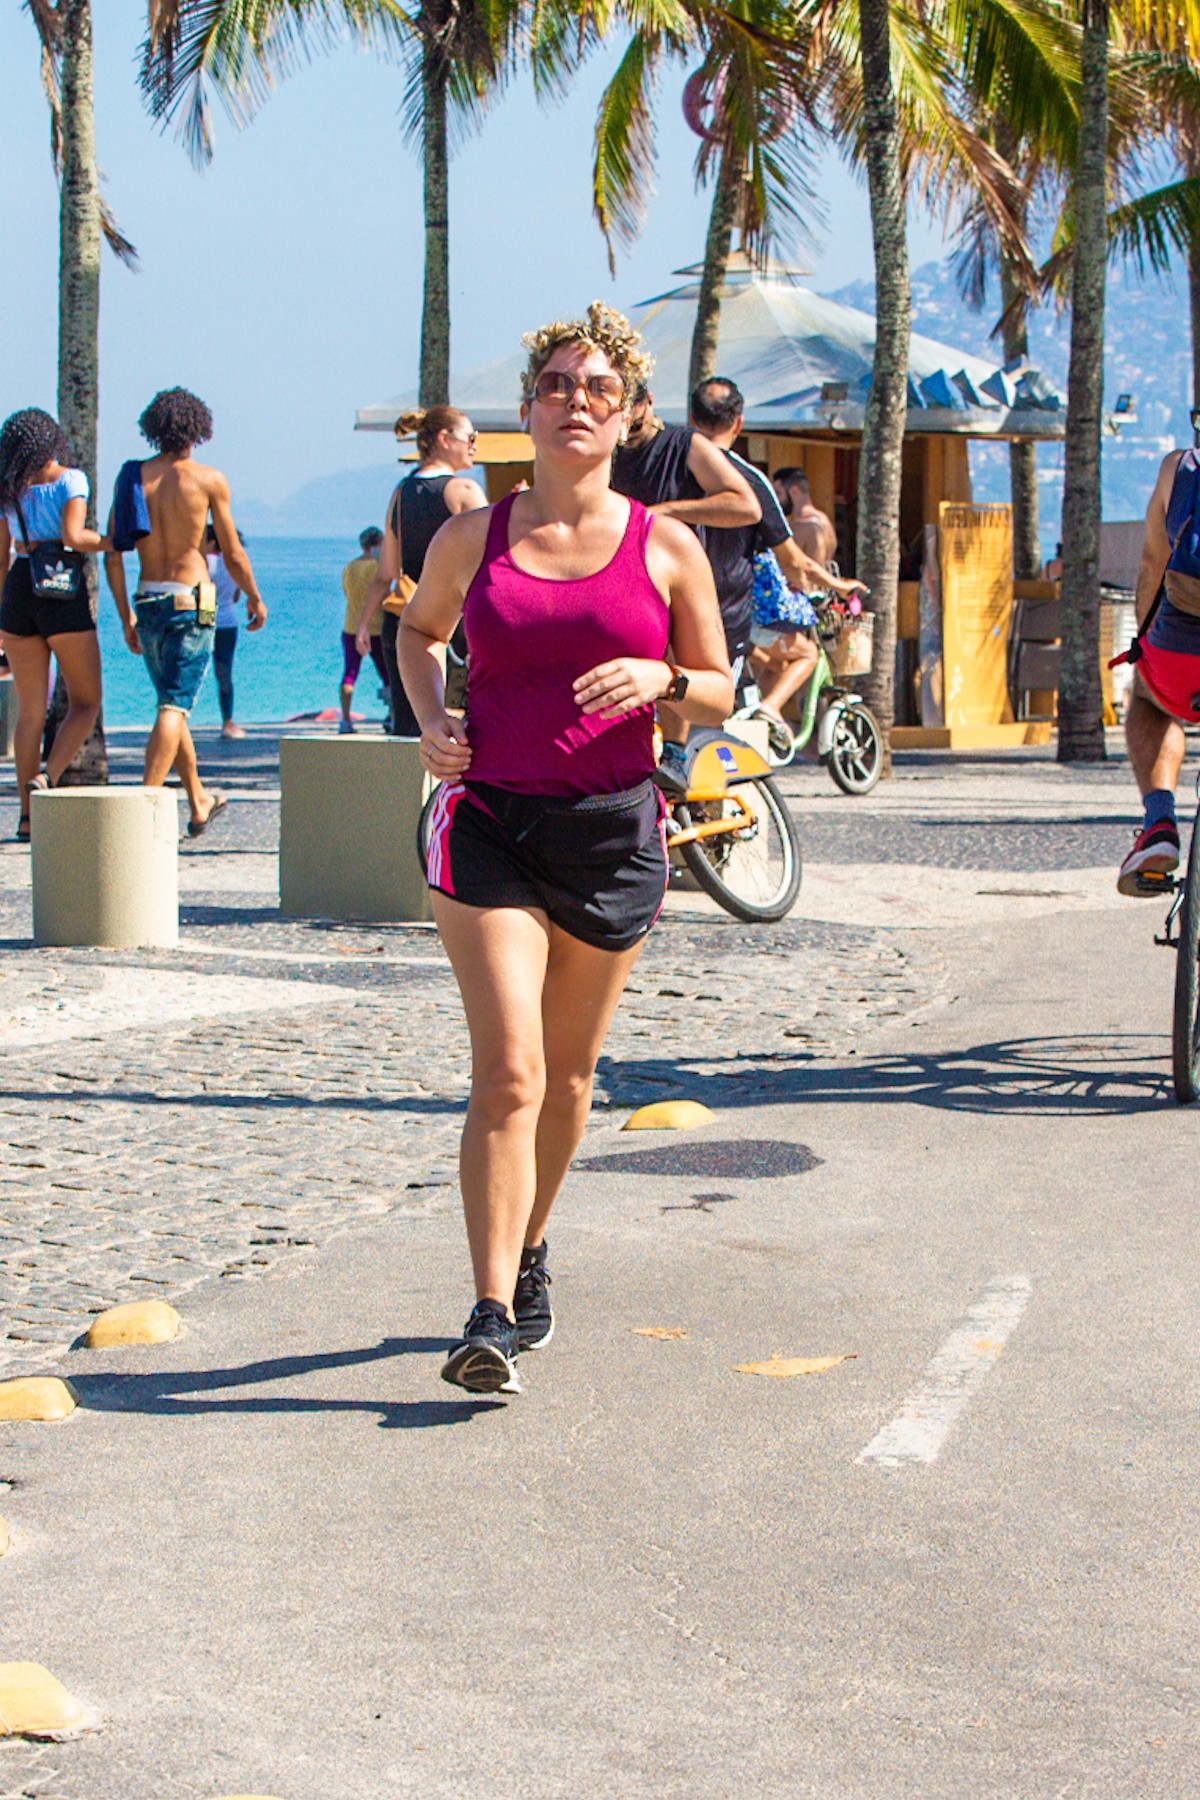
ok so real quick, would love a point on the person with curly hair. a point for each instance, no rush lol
(161, 507)
(44, 500)
(547, 856)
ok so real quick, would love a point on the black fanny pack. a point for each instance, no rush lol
(55, 573)
(569, 830)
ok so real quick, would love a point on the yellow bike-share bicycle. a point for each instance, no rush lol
(730, 824)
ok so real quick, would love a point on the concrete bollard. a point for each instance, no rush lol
(348, 813)
(105, 867)
(8, 715)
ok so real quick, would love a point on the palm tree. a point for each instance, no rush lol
(456, 51)
(65, 34)
(900, 105)
(754, 89)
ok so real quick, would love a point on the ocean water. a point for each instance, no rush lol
(293, 665)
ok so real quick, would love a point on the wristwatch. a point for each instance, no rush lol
(679, 684)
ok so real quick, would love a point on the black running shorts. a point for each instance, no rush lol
(595, 864)
(22, 614)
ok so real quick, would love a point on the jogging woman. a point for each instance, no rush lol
(438, 488)
(44, 502)
(547, 855)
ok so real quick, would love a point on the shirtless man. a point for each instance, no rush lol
(812, 529)
(175, 601)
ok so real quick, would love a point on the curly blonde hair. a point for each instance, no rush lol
(603, 329)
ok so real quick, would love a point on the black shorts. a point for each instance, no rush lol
(595, 864)
(22, 614)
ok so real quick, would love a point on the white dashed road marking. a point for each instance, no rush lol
(931, 1411)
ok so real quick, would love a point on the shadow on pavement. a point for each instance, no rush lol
(1053, 1076)
(188, 1392)
(260, 1102)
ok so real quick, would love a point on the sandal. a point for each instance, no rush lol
(197, 827)
(21, 834)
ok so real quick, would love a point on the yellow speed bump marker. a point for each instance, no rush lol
(138, 1322)
(667, 1333)
(783, 1367)
(33, 1704)
(668, 1115)
(36, 1397)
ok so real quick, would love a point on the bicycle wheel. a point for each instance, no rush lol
(856, 755)
(1185, 1033)
(753, 873)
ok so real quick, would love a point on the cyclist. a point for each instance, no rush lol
(1166, 658)
(717, 411)
(546, 854)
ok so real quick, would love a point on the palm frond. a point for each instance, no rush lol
(241, 48)
(623, 163)
(115, 238)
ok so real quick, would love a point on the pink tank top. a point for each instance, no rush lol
(530, 638)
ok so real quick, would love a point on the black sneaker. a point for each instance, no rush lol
(531, 1302)
(484, 1360)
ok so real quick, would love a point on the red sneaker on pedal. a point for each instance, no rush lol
(1155, 852)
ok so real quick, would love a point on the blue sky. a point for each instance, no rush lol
(284, 283)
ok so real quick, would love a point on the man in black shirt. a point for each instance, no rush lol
(672, 469)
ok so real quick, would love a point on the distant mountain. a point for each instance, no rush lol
(338, 505)
(1147, 354)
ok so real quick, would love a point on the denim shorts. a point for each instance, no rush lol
(177, 650)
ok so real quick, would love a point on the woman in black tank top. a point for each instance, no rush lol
(439, 487)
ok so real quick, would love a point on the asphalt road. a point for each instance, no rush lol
(282, 1559)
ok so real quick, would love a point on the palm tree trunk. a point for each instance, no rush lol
(878, 561)
(1194, 295)
(721, 220)
(1022, 458)
(1080, 701)
(435, 312)
(79, 310)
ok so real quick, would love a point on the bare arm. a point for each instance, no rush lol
(1156, 545)
(728, 497)
(464, 495)
(114, 574)
(77, 533)
(236, 560)
(808, 576)
(426, 627)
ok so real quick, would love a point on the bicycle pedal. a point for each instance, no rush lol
(1155, 881)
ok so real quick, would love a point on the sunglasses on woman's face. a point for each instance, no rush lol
(462, 437)
(554, 387)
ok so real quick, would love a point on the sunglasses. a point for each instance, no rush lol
(554, 387)
(463, 437)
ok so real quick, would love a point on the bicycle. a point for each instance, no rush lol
(1181, 933)
(730, 824)
(849, 741)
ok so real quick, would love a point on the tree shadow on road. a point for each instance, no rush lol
(1064, 1077)
(184, 1393)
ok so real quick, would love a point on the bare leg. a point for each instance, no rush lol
(583, 986)
(347, 694)
(170, 746)
(499, 957)
(1156, 745)
(29, 660)
(78, 655)
(789, 675)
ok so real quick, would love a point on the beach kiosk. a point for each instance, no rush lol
(804, 362)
